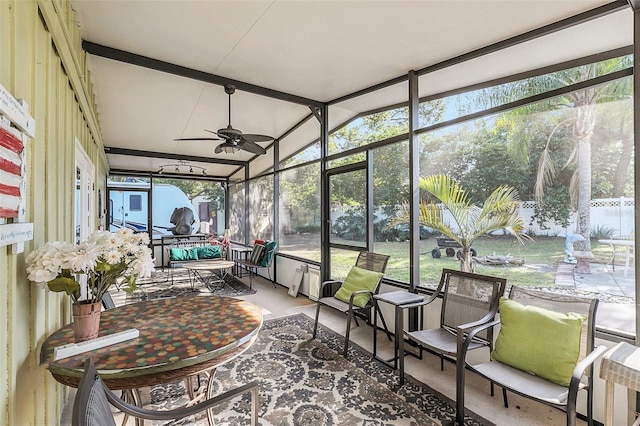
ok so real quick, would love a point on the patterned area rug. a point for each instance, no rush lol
(160, 285)
(306, 382)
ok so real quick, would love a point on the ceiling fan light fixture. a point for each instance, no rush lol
(229, 149)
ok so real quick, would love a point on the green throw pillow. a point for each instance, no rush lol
(177, 254)
(269, 251)
(208, 252)
(539, 341)
(192, 253)
(358, 279)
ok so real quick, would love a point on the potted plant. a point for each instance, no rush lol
(499, 211)
(105, 258)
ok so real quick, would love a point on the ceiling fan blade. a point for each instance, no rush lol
(221, 135)
(256, 138)
(218, 149)
(252, 147)
(197, 139)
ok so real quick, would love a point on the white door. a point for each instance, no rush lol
(84, 195)
(84, 217)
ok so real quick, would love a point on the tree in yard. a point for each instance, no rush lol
(574, 119)
(499, 211)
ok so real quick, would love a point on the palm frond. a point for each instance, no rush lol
(499, 211)
(546, 167)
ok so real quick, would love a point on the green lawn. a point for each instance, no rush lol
(540, 256)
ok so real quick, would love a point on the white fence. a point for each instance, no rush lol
(613, 214)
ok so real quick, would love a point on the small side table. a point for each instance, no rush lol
(620, 364)
(239, 253)
(397, 299)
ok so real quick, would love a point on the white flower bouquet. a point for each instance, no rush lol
(106, 258)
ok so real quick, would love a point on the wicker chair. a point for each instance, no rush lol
(91, 406)
(366, 260)
(533, 386)
(468, 300)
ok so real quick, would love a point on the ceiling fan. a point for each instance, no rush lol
(234, 139)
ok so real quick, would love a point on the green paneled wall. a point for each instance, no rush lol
(41, 61)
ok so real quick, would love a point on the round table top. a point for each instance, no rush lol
(174, 333)
(209, 265)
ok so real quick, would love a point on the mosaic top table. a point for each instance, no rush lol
(179, 337)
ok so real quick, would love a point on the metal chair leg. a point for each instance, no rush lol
(315, 324)
(460, 383)
(346, 336)
(272, 282)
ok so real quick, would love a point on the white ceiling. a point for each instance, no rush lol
(320, 50)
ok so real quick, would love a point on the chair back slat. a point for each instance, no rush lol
(375, 262)
(469, 297)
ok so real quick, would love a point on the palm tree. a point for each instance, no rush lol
(579, 115)
(499, 211)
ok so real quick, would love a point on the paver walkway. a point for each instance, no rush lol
(616, 311)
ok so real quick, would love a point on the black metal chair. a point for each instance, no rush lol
(534, 386)
(92, 405)
(264, 261)
(374, 262)
(468, 300)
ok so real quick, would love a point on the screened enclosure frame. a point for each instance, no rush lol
(319, 111)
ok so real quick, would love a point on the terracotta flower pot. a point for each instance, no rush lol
(86, 320)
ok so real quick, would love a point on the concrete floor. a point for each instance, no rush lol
(275, 302)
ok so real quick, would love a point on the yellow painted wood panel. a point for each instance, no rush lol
(6, 390)
(23, 366)
(55, 83)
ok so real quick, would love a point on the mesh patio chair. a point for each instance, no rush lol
(550, 329)
(92, 405)
(264, 260)
(367, 261)
(468, 300)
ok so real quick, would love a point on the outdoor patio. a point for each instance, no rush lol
(615, 289)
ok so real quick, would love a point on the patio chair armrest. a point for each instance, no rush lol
(357, 292)
(464, 337)
(585, 363)
(183, 411)
(425, 302)
(489, 317)
(476, 324)
(326, 283)
(578, 372)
